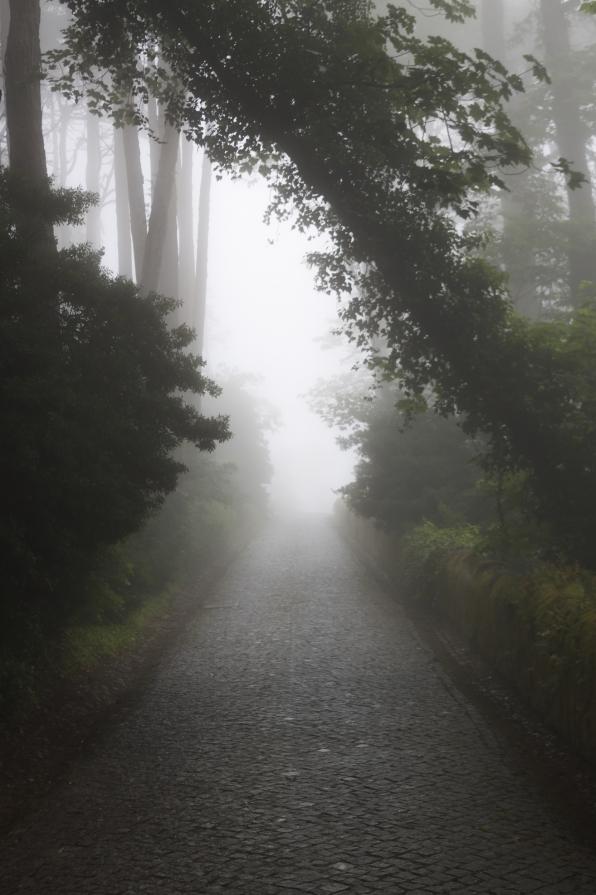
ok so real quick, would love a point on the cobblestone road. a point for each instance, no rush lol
(300, 740)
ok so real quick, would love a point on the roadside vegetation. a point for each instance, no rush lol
(448, 162)
(111, 504)
(453, 518)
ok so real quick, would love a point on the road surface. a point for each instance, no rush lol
(300, 739)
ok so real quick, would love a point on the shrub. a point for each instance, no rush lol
(426, 548)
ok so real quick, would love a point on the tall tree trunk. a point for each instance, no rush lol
(65, 116)
(136, 195)
(572, 139)
(200, 307)
(27, 155)
(61, 165)
(93, 179)
(122, 207)
(160, 207)
(185, 230)
(4, 26)
(55, 130)
(169, 278)
(23, 95)
(518, 257)
(168, 281)
(156, 134)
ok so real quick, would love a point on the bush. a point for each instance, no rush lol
(92, 403)
(425, 550)
(538, 629)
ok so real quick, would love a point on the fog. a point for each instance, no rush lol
(265, 321)
(265, 318)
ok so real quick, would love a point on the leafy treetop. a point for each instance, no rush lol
(387, 143)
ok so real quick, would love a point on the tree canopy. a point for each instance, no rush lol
(386, 142)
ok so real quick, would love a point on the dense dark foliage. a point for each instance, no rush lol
(93, 402)
(416, 471)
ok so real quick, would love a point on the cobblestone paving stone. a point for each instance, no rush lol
(300, 740)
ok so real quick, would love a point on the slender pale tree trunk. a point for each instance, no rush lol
(156, 135)
(61, 161)
(55, 125)
(572, 139)
(185, 230)
(168, 281)
(518, 257)
(65, 116)
(160, 206)
(122, 207)
(4, 26)
(93, 179)
(200, 306)
(136, 195)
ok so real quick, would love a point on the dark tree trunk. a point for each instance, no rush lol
(200, 307)
(122, 207)
(572, 139)
(23, 95)
(4, 26)
(26, 149)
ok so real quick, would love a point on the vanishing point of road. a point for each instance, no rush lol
(300, 739)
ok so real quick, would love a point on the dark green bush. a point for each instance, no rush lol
(92, 407)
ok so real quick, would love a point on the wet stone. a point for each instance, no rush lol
(300, 740)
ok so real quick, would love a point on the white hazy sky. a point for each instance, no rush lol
(265, 318)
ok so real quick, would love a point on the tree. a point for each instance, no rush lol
(123, 220)
(136, 196)
(383, 151)
(23, 101)
(572, 137)
(93, 382)
(162, 201)
(91, 417)
(410, 469)
(4, 23)
(26, 149)
(93, 179)
(200, 301)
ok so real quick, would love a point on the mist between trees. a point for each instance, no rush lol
(446, 158)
